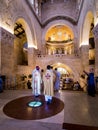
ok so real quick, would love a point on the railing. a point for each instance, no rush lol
(58, 56)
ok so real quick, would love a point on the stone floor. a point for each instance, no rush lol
(79, 108)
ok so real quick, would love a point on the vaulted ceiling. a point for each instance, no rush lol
(19, 30)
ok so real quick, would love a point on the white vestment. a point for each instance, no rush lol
(48, 84)
(36, 82)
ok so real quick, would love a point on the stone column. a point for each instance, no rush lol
(0, 50)
(76, 50)
(43, 49)
(31, 57)
(7, 55)
(39, 8)
(96, 49)
(85, 56)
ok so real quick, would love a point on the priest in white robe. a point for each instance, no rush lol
(48, 84)
(36, 81)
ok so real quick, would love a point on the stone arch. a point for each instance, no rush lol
(58, 22)
(65, 23)
(23, 59)
(65, 66)
(88, 38)
(96, 46)
(68, 66)
(60, 17)
(86, 28)
(28, 30)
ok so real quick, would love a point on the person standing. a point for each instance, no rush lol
(57, 80)
(29, 84)
(48, 84)
(54, 76)
(36, 81)
(90, 82)
(1, 85)
(42, 83)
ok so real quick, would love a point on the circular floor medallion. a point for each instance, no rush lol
(19, 108)
(34, 103)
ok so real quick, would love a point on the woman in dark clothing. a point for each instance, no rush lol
(1, 85)
(90, 82)
(29, 84)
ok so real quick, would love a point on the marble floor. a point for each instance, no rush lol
(79, 108)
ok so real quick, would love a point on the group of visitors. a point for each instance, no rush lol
(45, 81)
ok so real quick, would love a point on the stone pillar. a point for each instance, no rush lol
(7, 55)
(76, 50)
(0, 50)
(85, 56)
(43, 49)
(39, 8)
(96, 48)
(31, 57)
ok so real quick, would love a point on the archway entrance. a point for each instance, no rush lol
(67, 77)
(91, 46)
(20, 45)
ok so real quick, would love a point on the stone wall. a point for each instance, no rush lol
(71, 61)
(7, 63)
(11, 12)
(96, 49)
(60, 8)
